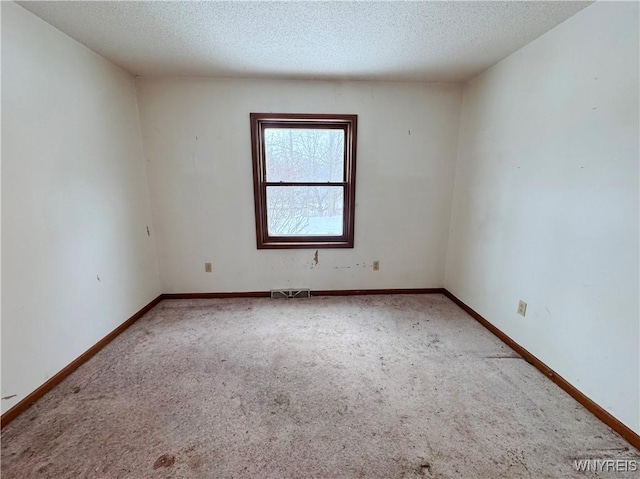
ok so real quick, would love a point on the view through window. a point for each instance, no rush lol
(304, 167)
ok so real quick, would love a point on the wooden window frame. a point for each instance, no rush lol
(347, 123)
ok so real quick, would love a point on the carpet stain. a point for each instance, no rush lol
(425, 468)
(166, 460)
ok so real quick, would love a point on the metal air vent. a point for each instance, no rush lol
(290, 293)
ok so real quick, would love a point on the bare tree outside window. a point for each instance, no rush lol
(304, 178)
(304, 155)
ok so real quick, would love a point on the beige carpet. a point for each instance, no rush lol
(342, 387)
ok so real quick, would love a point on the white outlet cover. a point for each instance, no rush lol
(522, 308)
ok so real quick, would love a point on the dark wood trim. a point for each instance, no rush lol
(329, 292)
(294, 243)
(358, 292)
(29, 400)
(301, 117)
(347, 123)
(305, 183)
(592, 407)
(239, 294)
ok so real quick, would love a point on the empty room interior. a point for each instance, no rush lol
(320, 239)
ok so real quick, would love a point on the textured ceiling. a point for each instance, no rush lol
(430, 41)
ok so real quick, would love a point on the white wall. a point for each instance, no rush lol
(74, 202)
(198, 156)
(546, 202)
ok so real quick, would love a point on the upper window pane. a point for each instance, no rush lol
(304, 155)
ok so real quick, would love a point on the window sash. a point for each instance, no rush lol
(297, 238)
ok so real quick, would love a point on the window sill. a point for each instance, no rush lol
(304, 245)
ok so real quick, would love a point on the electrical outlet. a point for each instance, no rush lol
(522, 308)
(207, 267)
(376, 265)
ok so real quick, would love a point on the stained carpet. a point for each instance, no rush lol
(405, 386)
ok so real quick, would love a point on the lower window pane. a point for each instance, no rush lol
(305, 210)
